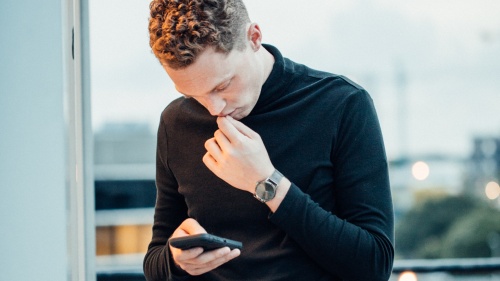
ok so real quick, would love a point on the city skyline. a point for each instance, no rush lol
(431, 70)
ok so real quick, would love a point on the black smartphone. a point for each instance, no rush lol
(206, 241)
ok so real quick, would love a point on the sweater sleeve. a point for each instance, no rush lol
(355, 242)
(170, 211)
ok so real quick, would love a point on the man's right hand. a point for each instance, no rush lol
(195, 261)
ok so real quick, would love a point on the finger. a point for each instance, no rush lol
(210, 162)
(210, 256)
(224, 259)
(214, 259)
(194, 269)
(206, 261)
(213, 148)
(182, 257)
(186, 256)
(229, 130)
(191, 226)
(242, 128)
(222, 141)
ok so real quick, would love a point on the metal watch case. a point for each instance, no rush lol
(266, 190)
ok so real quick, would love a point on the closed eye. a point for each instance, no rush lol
(223, 86)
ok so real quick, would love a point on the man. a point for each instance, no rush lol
(252, 119)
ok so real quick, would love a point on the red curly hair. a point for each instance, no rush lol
(180, 29)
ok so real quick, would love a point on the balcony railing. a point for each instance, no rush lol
(129, 268)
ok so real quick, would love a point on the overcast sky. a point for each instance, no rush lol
(432, 67)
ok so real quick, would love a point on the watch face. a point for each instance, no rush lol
(265, 191)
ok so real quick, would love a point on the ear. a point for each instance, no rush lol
(254, 36)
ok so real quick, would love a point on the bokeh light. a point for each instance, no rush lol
(492, 190)
(408, 276)
(420, 170)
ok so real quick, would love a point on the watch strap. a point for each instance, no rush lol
(275, 177)
(273, 181)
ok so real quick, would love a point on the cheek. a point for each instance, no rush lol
(250, 91)
(245, 97)
(237, 96)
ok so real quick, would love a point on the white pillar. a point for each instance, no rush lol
(44, 225)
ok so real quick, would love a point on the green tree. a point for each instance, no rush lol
(420, 232)
(471, 236)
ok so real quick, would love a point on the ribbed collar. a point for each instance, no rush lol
(275, 84)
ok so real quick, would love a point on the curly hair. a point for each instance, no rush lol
(179, 30)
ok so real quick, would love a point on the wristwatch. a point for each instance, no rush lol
(266, 189)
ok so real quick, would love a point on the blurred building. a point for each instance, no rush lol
(417, 178)
(483, 166)
(124, 170)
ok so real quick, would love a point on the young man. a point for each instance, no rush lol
(253, 120)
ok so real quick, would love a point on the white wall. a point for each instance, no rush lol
(33, 142)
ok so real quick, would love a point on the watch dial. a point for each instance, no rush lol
(265, 191)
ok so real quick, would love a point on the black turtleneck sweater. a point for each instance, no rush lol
(335, 223)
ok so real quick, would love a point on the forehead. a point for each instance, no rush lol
(210, 69)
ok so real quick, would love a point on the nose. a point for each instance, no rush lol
(214, 105)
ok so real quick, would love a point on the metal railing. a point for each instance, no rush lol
(472, 269)
(476, 269)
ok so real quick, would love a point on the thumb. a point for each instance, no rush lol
(242, 128)
(191, 226)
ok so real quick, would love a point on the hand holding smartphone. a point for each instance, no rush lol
(206, 241)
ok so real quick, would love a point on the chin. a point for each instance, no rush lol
(237, 117)
(235, 114)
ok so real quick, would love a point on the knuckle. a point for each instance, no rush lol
(239, 140)
(205, 158)
(183, 267)
(231, 152)
(208, 143)
(218, 133)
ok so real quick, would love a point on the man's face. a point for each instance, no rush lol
(225, 84)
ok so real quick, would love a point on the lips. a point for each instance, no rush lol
(232, 113)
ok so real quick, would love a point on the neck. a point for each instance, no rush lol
(267, 62)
